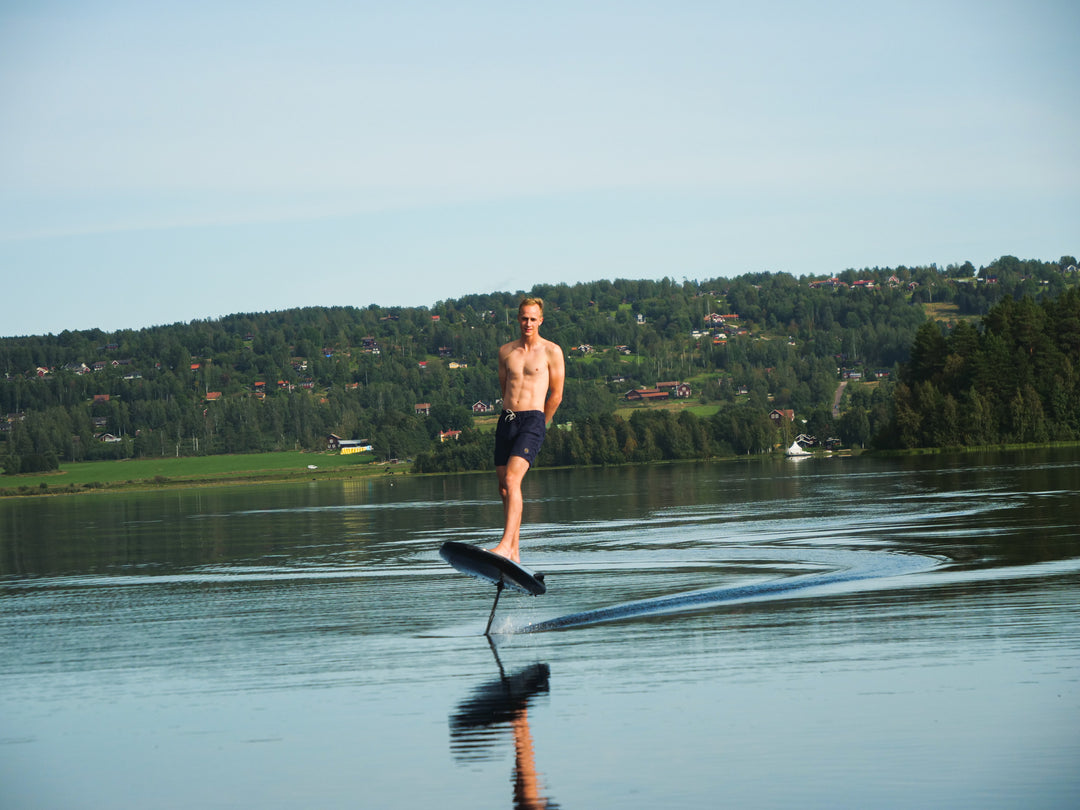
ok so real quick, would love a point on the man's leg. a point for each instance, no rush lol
(510, 478)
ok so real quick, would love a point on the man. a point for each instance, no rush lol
(531, 376)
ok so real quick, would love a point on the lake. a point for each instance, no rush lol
(820, 633)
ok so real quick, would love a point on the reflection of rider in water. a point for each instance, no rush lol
(494, 706)
(527, 792)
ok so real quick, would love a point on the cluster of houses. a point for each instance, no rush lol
(663, 390)
(720, 328)
(453, 364)
(478, 407)
(892, 281)
(588, 348)
(100, 365)
(860, 284)
(259, 389)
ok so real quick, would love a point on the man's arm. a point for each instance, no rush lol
(556, 378)
(502, 371)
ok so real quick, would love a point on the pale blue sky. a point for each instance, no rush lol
(167, 161)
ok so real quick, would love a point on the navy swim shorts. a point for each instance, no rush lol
(519, 433)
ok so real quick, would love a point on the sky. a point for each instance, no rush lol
(172, 161)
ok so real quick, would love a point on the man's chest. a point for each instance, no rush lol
(527, 363)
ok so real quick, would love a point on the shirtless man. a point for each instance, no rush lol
(531, 375)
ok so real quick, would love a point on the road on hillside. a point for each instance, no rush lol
(836, 400)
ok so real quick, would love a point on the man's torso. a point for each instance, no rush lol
(527, 375)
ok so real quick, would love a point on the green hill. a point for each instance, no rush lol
(398, 377)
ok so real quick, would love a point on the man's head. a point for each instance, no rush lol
(530, 315)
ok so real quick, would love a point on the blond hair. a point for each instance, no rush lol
(531, 302)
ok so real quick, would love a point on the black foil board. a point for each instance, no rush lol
(493, 568)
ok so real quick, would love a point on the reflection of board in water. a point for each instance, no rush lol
(491, 708)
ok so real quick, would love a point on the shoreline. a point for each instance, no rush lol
(300, 466)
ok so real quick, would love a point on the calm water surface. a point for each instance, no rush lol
(843, 632)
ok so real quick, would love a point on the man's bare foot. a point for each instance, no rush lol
(503, 552)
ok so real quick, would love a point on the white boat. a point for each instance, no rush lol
(796, 451)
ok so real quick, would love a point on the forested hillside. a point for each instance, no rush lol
(282, 380)
(1016, 380)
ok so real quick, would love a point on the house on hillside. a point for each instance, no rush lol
(679, 390)
(642, 394)
(422, 409)
(348, 446)
(779, 417)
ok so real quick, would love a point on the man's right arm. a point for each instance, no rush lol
(502, 372)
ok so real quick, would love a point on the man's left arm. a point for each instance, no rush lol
(556, 379)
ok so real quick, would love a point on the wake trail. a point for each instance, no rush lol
(883, 566)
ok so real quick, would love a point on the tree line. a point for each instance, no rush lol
(1015, 380)
(282, 380)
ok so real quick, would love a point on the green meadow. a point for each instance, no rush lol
(163, 471)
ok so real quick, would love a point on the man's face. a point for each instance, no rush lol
(530, 319)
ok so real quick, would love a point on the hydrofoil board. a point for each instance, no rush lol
(493, 568)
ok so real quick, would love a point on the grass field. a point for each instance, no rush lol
(948, 313)
(675, 405)
(150, 472)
